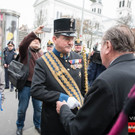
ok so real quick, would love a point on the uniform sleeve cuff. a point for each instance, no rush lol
(63, 97)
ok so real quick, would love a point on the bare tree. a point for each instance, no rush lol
(40, 19)
(91, 31)
(78, 26)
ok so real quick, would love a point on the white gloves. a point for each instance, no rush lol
(72, 103)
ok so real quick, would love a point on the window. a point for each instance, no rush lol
(123, 3)
(130, 4)
(120, 4)
(98, 10)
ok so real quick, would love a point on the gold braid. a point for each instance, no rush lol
(85, 69)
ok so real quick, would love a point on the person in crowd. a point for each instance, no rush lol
(59, 75)
(78, 46)
(50, 46)
(30, 43)
(95, 66)
(107, 95)
(2, 84)
(9, 55)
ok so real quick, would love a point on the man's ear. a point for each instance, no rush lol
(54, 39)
(109, 47)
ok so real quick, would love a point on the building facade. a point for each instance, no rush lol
(94, 22)
(54, 9)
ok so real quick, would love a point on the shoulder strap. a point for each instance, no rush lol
(29, 57)
(62, 76)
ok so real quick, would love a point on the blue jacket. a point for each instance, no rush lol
(94, 69)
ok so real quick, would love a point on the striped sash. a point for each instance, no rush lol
(62, 76)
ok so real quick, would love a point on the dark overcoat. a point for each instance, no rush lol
(47, 89)
(104, 101)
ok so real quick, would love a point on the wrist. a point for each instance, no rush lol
(63, 97)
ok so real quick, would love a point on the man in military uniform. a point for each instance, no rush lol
(59, 75)
(9, 55)
(50, 46)
(78, 46)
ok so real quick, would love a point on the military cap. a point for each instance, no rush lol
(78, 42)
(49, 43)
(11, 42)
(65, 27)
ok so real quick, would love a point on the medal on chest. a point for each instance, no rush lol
(75, 63)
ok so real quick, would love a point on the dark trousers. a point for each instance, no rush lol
(7, 79)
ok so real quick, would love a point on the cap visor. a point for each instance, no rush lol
(68, 34)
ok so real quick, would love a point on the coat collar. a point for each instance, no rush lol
(122, 58)
(60, 55)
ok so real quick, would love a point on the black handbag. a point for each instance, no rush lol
(18, 72)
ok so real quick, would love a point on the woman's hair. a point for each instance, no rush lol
(10, 42)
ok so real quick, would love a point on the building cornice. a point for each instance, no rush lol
(10, 12)
(77, 7)
(36, 4)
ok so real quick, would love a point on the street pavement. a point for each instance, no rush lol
(8, 116)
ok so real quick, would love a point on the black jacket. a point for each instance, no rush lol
(104, 100)
(47, 89)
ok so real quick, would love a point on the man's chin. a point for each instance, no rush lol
(68, 50)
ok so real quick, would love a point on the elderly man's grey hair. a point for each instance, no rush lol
(121, 38)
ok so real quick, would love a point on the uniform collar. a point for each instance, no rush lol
(60, 55)
(79, 53)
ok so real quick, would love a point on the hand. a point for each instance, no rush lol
(5, 65)
(58, 105)
(72, 103)
(39, 30)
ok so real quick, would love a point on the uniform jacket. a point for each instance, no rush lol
(47, 89)
(9, 55)
(104, 100)
(23, 52)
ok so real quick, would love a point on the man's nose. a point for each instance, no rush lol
(70, 41)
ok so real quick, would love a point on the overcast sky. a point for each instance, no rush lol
(25, 8)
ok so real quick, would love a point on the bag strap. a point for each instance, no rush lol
(29, 56)
(28, 60)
